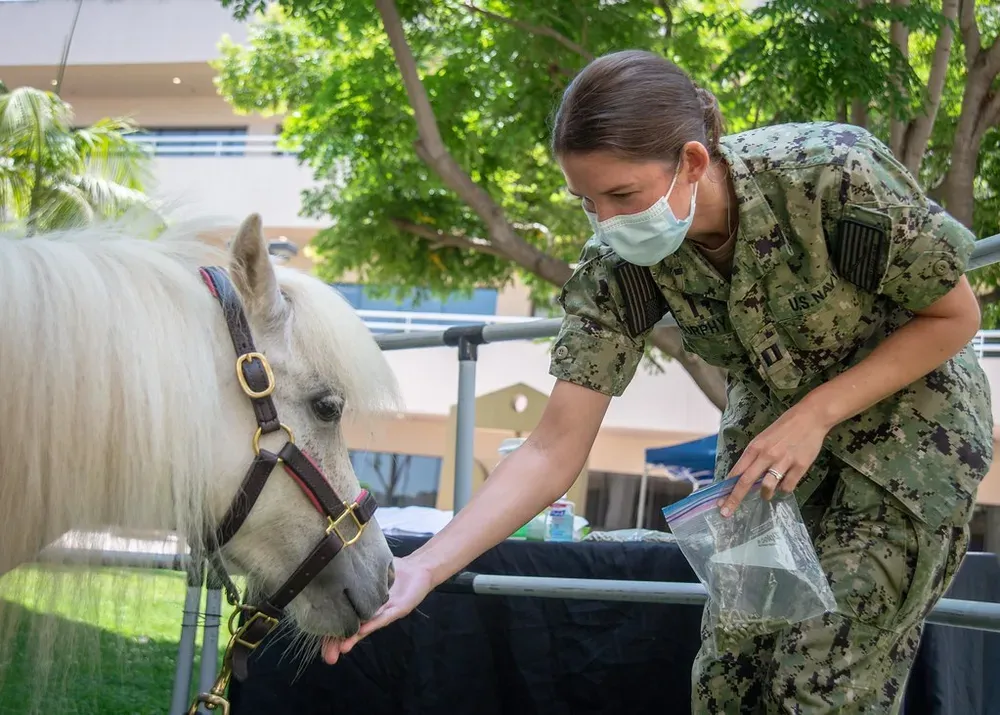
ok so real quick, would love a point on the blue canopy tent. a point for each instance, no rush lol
(695, 460)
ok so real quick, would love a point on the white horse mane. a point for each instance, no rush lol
(105, 341)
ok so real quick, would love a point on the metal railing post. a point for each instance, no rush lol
(185, 648)
(467, 338)
(210, 633)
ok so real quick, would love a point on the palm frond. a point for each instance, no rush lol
(15, 190)
(107, 198)
(28, 114)
(55, 177)
(107, 152)
(61, 205)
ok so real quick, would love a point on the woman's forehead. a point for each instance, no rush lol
(597, 173)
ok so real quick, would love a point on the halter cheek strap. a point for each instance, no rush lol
(345, 522)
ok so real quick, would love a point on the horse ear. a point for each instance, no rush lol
(253, 273)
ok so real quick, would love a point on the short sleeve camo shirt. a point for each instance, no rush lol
(837, 247)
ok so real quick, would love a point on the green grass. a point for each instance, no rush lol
(114, 655)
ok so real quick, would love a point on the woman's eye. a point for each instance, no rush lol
(327, 408)
(623, 196)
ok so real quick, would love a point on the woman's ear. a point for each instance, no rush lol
(695, 161)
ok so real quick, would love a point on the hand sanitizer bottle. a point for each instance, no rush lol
(559, 522)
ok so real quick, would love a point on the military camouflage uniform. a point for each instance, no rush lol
(836, 247)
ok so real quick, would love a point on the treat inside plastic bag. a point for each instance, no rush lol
(758, 566)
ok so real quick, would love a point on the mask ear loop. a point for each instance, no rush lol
(694, 195)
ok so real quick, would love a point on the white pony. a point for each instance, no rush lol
(120, 406)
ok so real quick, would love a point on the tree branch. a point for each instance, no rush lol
(989, 115)
(534, 30)
(970, 30)
(899, 36)
(918, 133)
(668, 13)
(991, 57)
(431, 150)
(710, 379)
(987, 298)
(957, 187)
(441, 239)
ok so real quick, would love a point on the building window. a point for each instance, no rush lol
(193, 141)
(398, 479)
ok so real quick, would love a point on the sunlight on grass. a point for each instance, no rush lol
(116, 649)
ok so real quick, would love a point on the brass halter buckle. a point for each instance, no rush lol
(250, 392)
(333, 526)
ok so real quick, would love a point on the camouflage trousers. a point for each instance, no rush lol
(886, 569)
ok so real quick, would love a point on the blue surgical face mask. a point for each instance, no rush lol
(647, 237)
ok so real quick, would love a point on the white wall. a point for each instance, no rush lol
(670, 401)
(114, 31)
(230, 188)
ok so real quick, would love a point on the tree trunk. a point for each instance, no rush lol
(957, 188)
(980, 110)
(710, 379)
(918, 133)
(899, 36)
(859, 113)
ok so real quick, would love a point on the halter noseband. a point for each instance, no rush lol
(257, 381)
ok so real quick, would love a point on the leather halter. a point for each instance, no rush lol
(257, 381)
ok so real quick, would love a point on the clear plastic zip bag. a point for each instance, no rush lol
(758, 566)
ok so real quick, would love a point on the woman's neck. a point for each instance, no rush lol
(717, 211)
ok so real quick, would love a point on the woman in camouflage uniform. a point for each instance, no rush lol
(805, 260)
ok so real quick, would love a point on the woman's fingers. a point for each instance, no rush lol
(744, 484)
(775, 475)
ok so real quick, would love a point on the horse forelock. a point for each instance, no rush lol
(332, 340)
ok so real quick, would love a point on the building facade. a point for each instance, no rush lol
(212, 162)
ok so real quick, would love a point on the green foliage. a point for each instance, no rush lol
(494, 71)
(807, 59)
(53, 176)
(493, 87)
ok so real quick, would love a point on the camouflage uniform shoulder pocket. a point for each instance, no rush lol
(643, 304)
(860, 250)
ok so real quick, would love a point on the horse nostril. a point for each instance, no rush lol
(391, 574)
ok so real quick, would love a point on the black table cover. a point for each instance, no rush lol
(487, 655)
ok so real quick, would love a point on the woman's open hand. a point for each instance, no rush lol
(411, 586)
(784, 452)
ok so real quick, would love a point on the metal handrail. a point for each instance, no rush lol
(211, 144)
(405, 321)
(955, 612)
(986, 252)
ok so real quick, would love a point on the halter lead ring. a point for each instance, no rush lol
(256, 379)
(257, 435)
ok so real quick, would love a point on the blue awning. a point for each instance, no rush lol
(697, 455)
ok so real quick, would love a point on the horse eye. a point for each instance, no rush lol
(327, 408)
